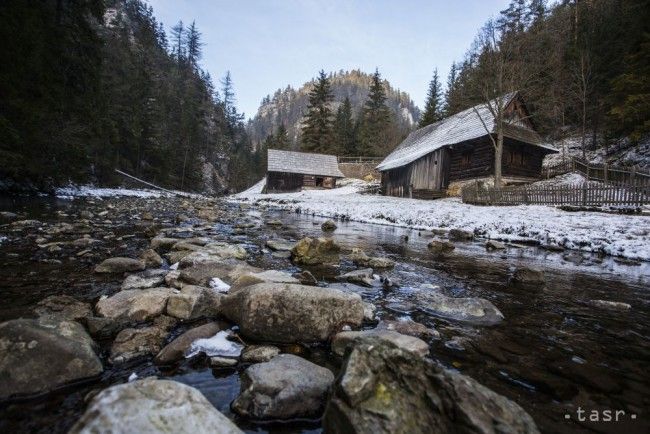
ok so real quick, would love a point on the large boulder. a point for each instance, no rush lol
(175, 350)
(384, 389)
(40, 355)
(119, 265)
(285, 387)
(470, 310)
(151, 406)
(194, 302)
(134, 304)
(268, 276)
(213, 253)
(291, 313)
(64, 307)
(345, 340)
(314, 251)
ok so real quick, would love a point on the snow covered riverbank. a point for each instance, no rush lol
(625, 236)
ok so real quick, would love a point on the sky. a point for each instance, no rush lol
(269, 44)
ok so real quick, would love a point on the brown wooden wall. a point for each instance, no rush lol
(282, 181)
(520, 160)
(423, 176)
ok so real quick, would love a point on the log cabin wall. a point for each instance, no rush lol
(471, 159)
(420, 178)
(521, 160)
(283, 181)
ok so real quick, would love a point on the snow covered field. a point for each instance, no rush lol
(96, 192)
(618, 235)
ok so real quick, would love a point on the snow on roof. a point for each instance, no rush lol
(457, 128)
(304, 163)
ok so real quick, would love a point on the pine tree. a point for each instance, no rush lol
(193, 44)
(229, 101)
(451, 94)
(433, 106)
(376, 120)
(178, 38)
(317, 124)
(344, 130)
(281, 138)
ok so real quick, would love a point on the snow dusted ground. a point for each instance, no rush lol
(618, 235)
(96, 192)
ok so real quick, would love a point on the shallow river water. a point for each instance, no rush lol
(554, 353)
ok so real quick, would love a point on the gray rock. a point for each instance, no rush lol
(460, 235)
(163, 243)
(119, 265)
(134, 304)
(226, 270)
(268, 276)
(64, 307)
(344, 340)
(41, 355)
(213, 253)
(194, 302)
(314, 251)
(384, 389)
(328, 226)
(528, 277)
(613, 305)
(152, 406)
(259, 353)
(476, 311)
(494, 245)
(291, 313)
(369, 311)
(359, 257)
(438, 246)
(362, 277)
(222, 362)
(144, 280)
(175, 350)
(133, 343)
(409, 327)
(306, 278)
(284, 388)
(151, 258)
(378, 262)
(280, 245)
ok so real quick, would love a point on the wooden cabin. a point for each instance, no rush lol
(292, 171)
(458, 149)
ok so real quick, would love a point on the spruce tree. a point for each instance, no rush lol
(281, 138)
(317, 124)
(432, 108)
(344, 130)
(376, 120)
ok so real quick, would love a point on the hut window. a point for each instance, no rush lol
(466, 158)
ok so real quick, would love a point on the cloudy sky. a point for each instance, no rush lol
(268, 44)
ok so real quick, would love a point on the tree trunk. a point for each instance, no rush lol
(498, 157)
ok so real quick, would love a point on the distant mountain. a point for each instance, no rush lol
(288, 105)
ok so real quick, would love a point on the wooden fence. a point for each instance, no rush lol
(583, 195)
(604, 173)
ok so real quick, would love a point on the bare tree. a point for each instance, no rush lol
(582, 82)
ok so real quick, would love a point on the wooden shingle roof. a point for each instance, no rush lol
(303, 163)
(466, 125)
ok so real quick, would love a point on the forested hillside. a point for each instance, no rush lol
(583, 67)
(285, 110)
(96, 86)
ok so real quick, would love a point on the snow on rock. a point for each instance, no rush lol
(96, 192)
(613, 234)
(217, 345)
(219, 285)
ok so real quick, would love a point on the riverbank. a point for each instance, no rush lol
(621, 236)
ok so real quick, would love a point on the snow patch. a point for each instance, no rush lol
(219, 285)
(96, 192)
(217, 345)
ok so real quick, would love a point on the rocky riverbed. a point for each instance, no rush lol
(189, 314)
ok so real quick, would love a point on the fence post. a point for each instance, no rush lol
(584, 193)
(605, 172)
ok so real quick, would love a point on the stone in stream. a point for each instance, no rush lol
(227, 270)
(119, 265)
(306, 277)
(438, 246)
(279, 245)
(44, 354)
(291, 313)
(134, 304)
(460, 235)
(194, 302)
(408, 327)
(144, 280)
(286, 387)
(527, 277)
(359, 257)
(613, 305)
(259, 353)
(64, 307)
(132, 343)
(268, 276)
(314, 251)
(152, 406)
(161, 243)
(494, 245)
(470, 310)
(384, 389)
(175, 350)
(213, 253)
(344, 340)
(151, 259)
(362, 277)
(328, 226)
